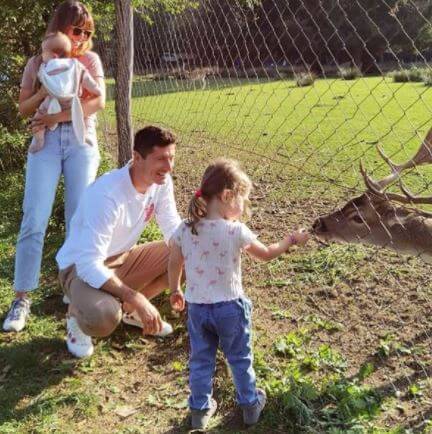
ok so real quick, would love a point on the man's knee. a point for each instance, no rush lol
(101, 319)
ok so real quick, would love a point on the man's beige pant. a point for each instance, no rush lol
(99, 313)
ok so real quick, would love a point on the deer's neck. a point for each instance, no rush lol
(411, 233)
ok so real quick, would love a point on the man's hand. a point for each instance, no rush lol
(177, 300)
(149, 315)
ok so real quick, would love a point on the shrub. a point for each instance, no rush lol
(416, 74)
(13, 149)
(400, 76)
(349, 73)
(413, 75)
(304, 79)
(427, 77)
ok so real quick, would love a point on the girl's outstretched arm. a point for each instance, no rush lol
(266, 253)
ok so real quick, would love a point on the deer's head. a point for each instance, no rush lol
(382, 218)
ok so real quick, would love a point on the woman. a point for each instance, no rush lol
(62, 154)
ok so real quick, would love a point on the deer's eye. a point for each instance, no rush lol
(357, 219)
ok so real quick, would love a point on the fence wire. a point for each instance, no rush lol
(301, 91)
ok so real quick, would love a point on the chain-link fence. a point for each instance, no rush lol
(301, 91)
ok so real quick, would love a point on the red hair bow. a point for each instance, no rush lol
(198, 193)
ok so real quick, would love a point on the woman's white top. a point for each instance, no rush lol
(213, 259)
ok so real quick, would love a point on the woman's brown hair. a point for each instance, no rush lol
(69, 13)
(72, 13)
(223, 174)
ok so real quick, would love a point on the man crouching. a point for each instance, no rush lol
(102, 270)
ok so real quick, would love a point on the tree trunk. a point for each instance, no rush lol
(123, 78)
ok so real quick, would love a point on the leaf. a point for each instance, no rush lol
(181, 404)
(152, 400)
(178, 366)
(3, 376)
(126, 411)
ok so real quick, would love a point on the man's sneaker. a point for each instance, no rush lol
(201, 418)
(17, 315)
(251, 413)
(66, 299)
(134, 320)
(78, 343)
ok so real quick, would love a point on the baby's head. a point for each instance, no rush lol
(56, 45)
(225, 186)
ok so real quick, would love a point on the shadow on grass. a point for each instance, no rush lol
(27, 370)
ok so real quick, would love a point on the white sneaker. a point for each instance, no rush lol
(66, 299)
(18, 313)
(78, 343)
(134, 320)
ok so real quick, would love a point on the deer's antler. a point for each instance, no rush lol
(423, 156)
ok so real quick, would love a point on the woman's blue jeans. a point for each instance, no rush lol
(228, 325)
(62, 154)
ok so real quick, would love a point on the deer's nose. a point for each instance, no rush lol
(319, 226)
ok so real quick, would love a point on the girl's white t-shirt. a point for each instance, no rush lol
(213, 259)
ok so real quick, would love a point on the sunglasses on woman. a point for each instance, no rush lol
(78, 31)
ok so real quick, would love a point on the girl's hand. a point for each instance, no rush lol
(300, 236)
(177, 300)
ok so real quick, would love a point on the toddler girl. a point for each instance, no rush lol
(209, 243)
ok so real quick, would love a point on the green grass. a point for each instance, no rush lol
(323, 129)
(306, 302)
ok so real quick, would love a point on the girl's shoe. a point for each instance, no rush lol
(201, 418)
(251, 413)
(17, 316)
(134, 320)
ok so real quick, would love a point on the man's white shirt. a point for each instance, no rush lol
(110, 219)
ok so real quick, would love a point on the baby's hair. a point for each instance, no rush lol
(58, 43)
(222, 174)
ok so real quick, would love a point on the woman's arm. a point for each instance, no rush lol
(29, 101)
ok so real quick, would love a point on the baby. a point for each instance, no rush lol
(64, 78)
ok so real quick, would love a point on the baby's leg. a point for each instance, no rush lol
(38, 141)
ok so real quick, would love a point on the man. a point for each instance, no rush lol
(100, 264)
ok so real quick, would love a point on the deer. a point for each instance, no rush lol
(382, 218)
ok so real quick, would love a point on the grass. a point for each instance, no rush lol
(321, 131)
(342, 332)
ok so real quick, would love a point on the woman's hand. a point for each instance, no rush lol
(42, 92)
(40, 121)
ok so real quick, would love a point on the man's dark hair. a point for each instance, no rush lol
(149, 137)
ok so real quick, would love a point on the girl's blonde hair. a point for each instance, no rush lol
(223, 174)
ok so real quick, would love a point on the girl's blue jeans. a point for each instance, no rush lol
(228, 325)
(61, 154)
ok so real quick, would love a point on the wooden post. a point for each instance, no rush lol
(123, 78)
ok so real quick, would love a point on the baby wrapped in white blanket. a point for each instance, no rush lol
(64, 78)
